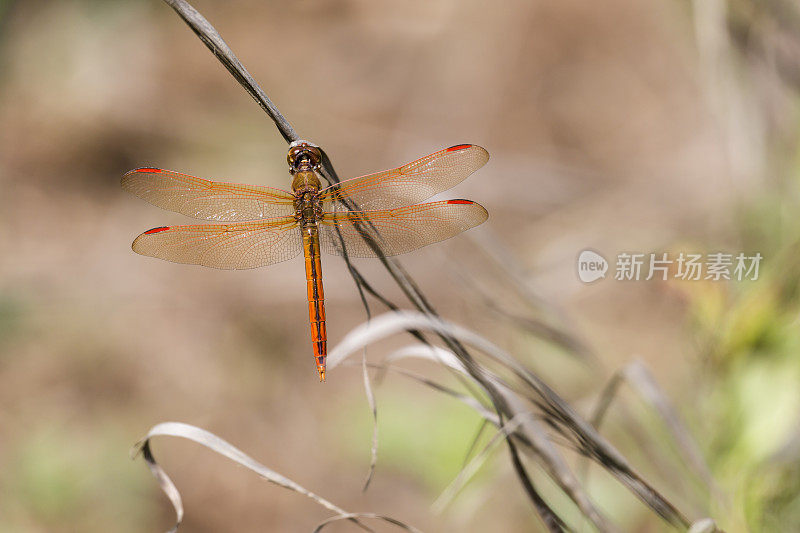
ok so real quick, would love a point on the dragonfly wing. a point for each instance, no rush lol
(399, 230)
(411, 183)
(206, 199)
(228, 246)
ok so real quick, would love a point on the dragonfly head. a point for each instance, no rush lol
(303, 155)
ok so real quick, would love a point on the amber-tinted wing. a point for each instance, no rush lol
(206, 199)
(229, 246)
(400, 230)
(411, 183)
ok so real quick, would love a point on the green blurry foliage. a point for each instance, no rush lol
(59, 479)
(420, 436)
(750, 335)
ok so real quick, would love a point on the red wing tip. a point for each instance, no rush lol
(156, 230)
(150, 170)
(467, 202)
(458, 147)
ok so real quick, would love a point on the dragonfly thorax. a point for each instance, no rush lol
(305, 180)
(304, 159)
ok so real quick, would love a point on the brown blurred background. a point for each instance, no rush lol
(619, 126)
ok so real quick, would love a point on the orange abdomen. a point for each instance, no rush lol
(316, 297)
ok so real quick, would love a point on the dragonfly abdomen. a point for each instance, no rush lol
(316, 297)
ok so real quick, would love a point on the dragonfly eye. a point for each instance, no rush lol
(303, 156)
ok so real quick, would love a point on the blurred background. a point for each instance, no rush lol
(656, 126)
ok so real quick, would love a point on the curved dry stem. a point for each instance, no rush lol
(224, 448)
(355, 516)
(558, 414)
(373, 407)
(392, 323)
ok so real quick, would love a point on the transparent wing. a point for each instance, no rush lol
(206, 199)
(229, 246)
(411, 183)
(400, 230)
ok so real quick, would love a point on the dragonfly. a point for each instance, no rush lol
(262, 225)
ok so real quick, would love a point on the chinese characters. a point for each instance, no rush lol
(713, 266)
